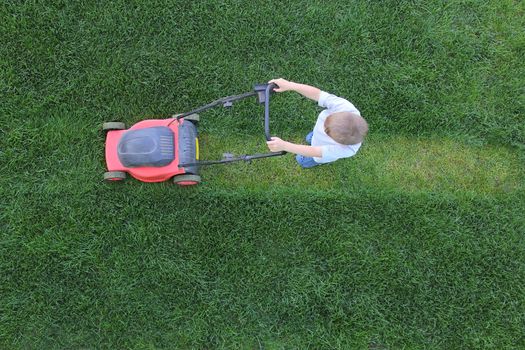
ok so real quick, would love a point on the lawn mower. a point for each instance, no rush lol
(156, 150)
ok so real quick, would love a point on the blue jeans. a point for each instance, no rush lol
(307, 162)
(308, 138)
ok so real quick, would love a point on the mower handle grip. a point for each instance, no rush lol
(268, 90)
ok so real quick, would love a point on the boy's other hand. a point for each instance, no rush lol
(283, 84)
(276, 144)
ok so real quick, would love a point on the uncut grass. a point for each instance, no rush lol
(411, 68)
(202, 268)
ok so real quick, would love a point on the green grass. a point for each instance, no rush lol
(416, 242)
(384, 163)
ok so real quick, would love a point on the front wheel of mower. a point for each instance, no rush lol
(187, 180)
(113, 126)
(111, 176)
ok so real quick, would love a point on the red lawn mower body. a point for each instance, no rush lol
(151, 173)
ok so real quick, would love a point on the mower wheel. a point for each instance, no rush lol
(110, 176)
(194, 118)
(113, 126)
(187, 180)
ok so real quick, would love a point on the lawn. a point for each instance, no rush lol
(417, 242)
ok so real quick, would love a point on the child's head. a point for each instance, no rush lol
(346, 128)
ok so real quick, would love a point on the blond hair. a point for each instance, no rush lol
(346, 128)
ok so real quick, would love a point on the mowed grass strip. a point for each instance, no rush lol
(54, 148)
(384, 162)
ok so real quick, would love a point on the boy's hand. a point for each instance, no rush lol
(276, 144)
(284, 85)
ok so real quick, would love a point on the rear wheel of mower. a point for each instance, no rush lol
(113, 126)
(194, 118)
(187, 180)
(110, 176)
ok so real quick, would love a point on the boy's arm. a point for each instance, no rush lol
(307, 91)
(277, 145)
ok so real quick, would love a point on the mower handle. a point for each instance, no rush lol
(263, 92)
(267, 92)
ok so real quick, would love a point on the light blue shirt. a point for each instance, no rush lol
(331, 150)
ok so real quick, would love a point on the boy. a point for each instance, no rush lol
(338, 133)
